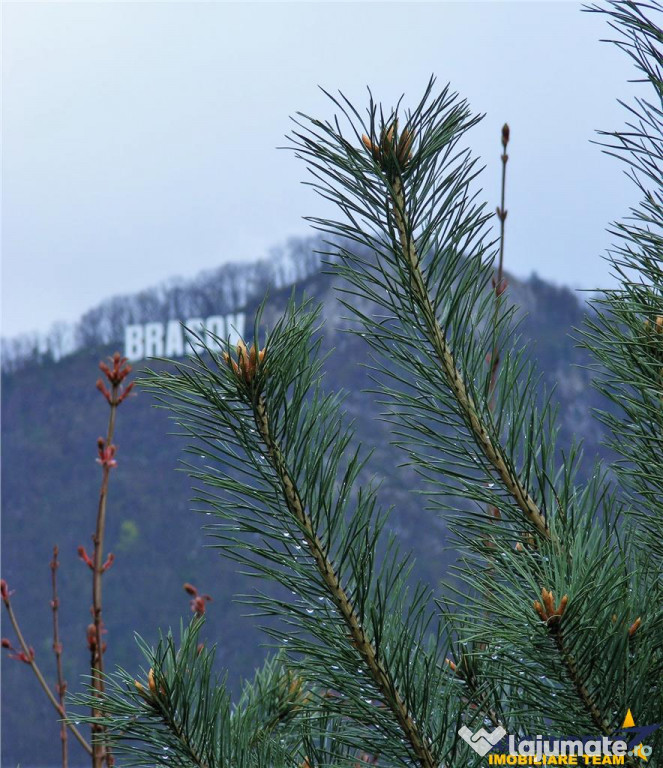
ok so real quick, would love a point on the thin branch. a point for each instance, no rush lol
(61, 685)
(499, 284)
(115, 374)
(40, 677)
(97, 648)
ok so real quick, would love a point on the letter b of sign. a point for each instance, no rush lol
(482, 741)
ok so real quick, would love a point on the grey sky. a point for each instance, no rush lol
(139, 138)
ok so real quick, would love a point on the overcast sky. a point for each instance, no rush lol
(140, 138)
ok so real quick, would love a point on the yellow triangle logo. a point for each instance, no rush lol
(629, 722)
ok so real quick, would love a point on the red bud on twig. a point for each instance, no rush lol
(5, 592)
(107, 456)
(85, 557)
(104, 390)
(25, 658)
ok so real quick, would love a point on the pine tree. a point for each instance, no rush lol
(553, 623)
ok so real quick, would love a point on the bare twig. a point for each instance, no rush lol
(499, 286)
(116, 373)
(27, 656)
(61, 685)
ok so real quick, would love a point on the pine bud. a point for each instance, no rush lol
(368, 143)
(404, 149)
(548, 601)
(248, 362)
(151, 683)
(562, 605)
(634, 627)
(539, 609)
(390, 147)
(388, 135)
(140, 688)
(547, 610)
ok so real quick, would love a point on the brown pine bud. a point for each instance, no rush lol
(151, 683)
(548, 601)
(372, 148)
(547, 610)
(367, 143)
(242, 355)
(404, 149)
(505, 135)
(634, 627)
(539, 609)
(248, 362)
(140, 688)
(562, 605)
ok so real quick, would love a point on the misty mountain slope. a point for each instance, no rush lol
(51, 418)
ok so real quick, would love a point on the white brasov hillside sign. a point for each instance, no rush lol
(172, 340)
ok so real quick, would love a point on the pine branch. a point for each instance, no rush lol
(493, 452)
(625, 333)
(358, 635)
(280, 471)
(406, 200)
(180, 713)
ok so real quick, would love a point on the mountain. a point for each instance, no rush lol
(51, 417)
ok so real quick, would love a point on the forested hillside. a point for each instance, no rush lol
(51, 418)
